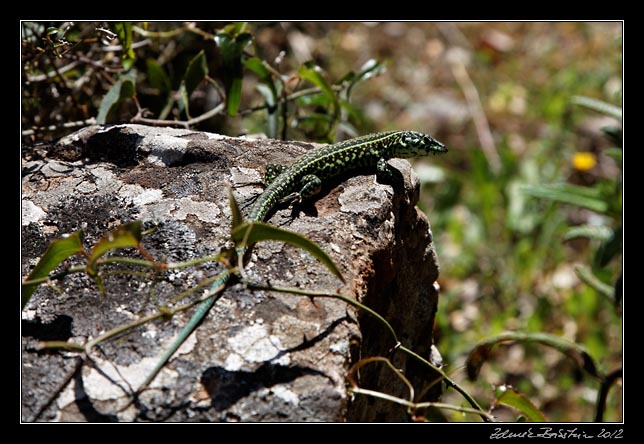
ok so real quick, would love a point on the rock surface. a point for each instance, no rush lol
(258, 356)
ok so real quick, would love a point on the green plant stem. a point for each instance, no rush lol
(486, 416)
(607, 383)
(320, 294)
(290, 97)
(62, 274)
(126, 260)
(422, 405)
(381, 395)
(399, 346)
(182, 123)
(187, 292)
(396, 371)
(448, 381)
(163, 312)
(60, 345)
(586, 275)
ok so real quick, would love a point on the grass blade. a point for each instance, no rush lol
(123, 89)
(509, 396)
(57, 252)
(598, 105)
(482, 351)
(571, 194)
(196, 71)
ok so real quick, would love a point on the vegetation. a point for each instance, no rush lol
(526, 209)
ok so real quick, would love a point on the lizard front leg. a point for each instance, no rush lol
(384, 171)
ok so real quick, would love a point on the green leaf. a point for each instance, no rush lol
(509, 396)
(235, 28)
(614, 134)
(611, 247)
(313, 73)
(482, 351)
(124, 32)
(349, 78)
(124, 88)
(269, 94)
(234, 210)
(196, 71)
(256, 65)
(268, 90)
(124, 236)
(598, 105)
(232, 45)
(249, 233)
(371, 68)
(586, 197)
(586, 275)
(590, 231)
(317, 99)
(234, 96)
(158, 77)
(57, 251)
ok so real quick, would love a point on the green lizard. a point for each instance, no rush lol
(302, 180)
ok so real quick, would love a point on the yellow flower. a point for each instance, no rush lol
(584, 160)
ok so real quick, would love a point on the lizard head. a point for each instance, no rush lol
(413, 143)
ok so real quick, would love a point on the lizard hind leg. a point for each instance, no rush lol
(311, 185)
(270, 174)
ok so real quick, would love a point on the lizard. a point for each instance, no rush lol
(302, 180)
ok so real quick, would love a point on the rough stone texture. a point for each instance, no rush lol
(258, 356)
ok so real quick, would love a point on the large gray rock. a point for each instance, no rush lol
(258, 356)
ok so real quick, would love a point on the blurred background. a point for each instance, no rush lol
(526, 208)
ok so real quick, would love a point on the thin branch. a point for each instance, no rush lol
(355, 367)
(448, 381)
(180, 123)
(66, 125)
(442, 405)
(399, 346)
(53, 277)
(320, 294)
(99, 65)
(478, 114)
(162, 312)
(384, 396)
(288, 98)
(52, 74)
(217, 87)
(134, 45)
(603, 392)
(158, 34)
(422, 405)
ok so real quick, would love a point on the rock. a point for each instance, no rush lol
(259, 355)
